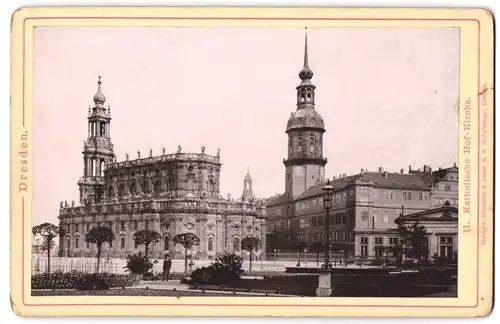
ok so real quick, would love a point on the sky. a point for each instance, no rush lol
(388, 97)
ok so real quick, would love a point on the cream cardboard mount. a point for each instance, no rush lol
(398, 222)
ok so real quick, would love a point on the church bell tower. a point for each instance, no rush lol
(305, 165)
(97, 150)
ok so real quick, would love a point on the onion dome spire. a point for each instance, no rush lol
(306, 73)
(99, 98)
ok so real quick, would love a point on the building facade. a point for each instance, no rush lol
(443, 184)
(441, 225)
(365, 205)
(169, 193)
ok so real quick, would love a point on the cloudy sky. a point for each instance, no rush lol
(388, 97)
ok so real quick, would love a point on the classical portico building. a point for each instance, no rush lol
(171, 193)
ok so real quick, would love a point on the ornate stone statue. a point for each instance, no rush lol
(203, 149)
(126, 156)
(179, 149)
(72, 203)
(218, 153)
(61, 204)
(229, 196)
(66, 203)
(138, 154)
(163, 151)
(150, 153)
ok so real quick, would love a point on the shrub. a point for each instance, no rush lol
(231, 265)
(203, 275)
(226, 268)
(92, 281)
(138, 264)
(81, 281)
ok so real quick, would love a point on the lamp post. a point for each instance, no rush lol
(327, 204)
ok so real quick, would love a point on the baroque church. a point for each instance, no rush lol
(171, 193)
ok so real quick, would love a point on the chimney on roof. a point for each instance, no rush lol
(440, 169)
(380, 169)
(427, 169)
(345, 175)
(385, 174)
(362, 171)
(455, 164)
(334, 178)
(409, 169)
(402, 171)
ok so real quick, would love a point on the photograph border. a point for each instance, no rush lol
(26, 19)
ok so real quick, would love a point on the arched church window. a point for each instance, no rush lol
(236, 244)
(132, 188)
(211, 185)
(145, 187)
(308, 96)
(210, 244)
(189, 184)
(121, 189)
(170, 184)
(166, 242)
(157, 186)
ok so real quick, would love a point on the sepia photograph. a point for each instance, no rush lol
(245, 161)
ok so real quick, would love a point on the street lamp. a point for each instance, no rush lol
(327, 204)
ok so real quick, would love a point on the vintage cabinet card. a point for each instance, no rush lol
(252, 162)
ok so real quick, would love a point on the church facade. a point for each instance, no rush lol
(171, 193)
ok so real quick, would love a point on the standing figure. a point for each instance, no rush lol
(167, 265)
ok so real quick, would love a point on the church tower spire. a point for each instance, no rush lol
(305, 163)
(305, 90)
(97, 149)
(247, 186)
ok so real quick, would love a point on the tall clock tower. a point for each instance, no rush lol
(305, 165)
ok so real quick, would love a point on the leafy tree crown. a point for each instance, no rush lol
(99, 235)
(187, 240)
(250, 243)
(146, 236)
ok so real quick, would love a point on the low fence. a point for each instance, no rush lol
(307, 257)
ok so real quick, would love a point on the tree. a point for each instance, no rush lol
(48, 232)
(317, 247)
(250, 244)
(146, 237)
(187, 240)
(413, 240)
(300, 246)
(98, 236)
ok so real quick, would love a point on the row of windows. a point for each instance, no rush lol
(119, 226)
(318, 202)
(364, 217)
(337, 236)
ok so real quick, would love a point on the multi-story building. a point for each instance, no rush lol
(169, 193)
(443, 184)
(365, 206)
(364, 209)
